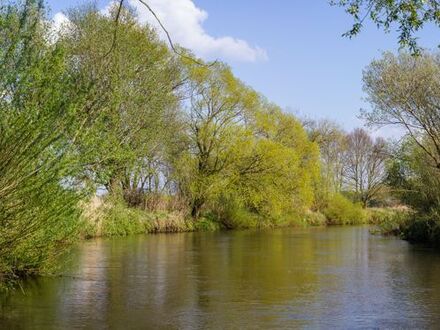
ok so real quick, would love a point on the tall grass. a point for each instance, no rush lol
(107, 217)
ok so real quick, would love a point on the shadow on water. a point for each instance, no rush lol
(320, 277)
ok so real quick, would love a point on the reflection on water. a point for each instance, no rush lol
(338, 277)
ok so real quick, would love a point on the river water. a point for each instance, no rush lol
(337, 277)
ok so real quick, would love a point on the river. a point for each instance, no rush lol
(337, 277)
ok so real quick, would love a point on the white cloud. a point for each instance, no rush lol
(58, 25)
(59, 22)
(106, 10)
(184, 21)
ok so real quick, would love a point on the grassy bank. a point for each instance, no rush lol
(108, 218)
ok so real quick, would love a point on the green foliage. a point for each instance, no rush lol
(421, 228)
(404, 92)
(122, 221)
(388, 221)
(314, 219)
(248, 162)
(38, 104)
(135, 84)
(332, 142)
(415, 182)
(409, 16)
(413, 179)
(341, 211)
(177, 145)
(207, 223)
(414, 227)
(238, 217)
(113, 217)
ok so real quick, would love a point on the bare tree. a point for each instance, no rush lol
(364, 165)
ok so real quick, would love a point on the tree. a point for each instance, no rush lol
(409, 15)
(289, 159)
(216, 109)
(246, 158)
(365, 165)
(40, 99)
(139, 78)
(412, 179)
(332, 144)
(404, 91)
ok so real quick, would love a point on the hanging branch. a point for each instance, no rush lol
(115, 32)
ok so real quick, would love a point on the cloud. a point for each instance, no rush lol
(184, 21)
(59, 22)
(58, 25)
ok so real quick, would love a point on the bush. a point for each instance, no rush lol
(39, 100)
(341, 211)
(389, 221)
(315, 219)
(119, 220)
(377, 216)
(207, 223)
(240, 218)
(414, 227)
(422, 228)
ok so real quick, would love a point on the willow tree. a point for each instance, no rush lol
(404, 91)
(412, 179)
(215, 113)
(246, 157)
(139, 78)
(280, 166)
(40, 99)
(332, 142)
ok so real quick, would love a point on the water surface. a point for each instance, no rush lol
(338, 277)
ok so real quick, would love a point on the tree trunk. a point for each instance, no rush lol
(196, 206)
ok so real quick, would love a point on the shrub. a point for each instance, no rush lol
(119, 220)
(341, 211)
(240, 218)
(422, 228)
(207, 223)
(315, 219)
(388, 221)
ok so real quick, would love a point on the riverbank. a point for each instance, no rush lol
(106, 218)
(412, 226)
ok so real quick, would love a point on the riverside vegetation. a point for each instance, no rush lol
(105, 131)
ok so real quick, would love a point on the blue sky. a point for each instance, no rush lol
(307, 67)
